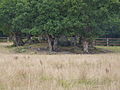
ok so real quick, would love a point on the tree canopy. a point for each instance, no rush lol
(86, 19)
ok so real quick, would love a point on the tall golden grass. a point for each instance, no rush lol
(60, 72)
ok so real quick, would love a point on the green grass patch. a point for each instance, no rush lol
(66, 83)
(87, 82)
(30, 49)
(43, 47)
(113, 49)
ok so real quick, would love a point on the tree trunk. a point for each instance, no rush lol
(55, 46)
(52, 42)
(17, 40)
(80, 41)
(74, 41)
(28, 41)
(92, 44)
(85, 46)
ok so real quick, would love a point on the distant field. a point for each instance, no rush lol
(59, 72)
(114, 49)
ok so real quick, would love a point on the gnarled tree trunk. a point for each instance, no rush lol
(74, 41)
(85, 44)
(17, 40)
(28, 41)
(80, 41)
(55, 46)
(52, 42)
(92, 44)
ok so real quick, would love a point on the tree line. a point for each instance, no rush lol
(84, 19)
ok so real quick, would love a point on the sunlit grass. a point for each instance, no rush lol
(114, 49)
(59, 72)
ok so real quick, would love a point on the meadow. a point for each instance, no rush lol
(59, 72)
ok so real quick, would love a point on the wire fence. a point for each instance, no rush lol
(97, 42)
(4, 39)
(107, 42)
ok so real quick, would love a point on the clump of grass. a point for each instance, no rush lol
(16, 57)
(20, 50)
(44, 78)
(87, 82)
(66, 83)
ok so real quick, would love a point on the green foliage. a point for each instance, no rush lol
(49, 19)
(85, 18)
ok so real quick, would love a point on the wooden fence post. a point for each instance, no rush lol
(107, 41)
(8, 39)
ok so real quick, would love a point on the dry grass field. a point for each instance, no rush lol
(59, 72)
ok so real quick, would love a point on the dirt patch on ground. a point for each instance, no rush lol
(42, 49)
